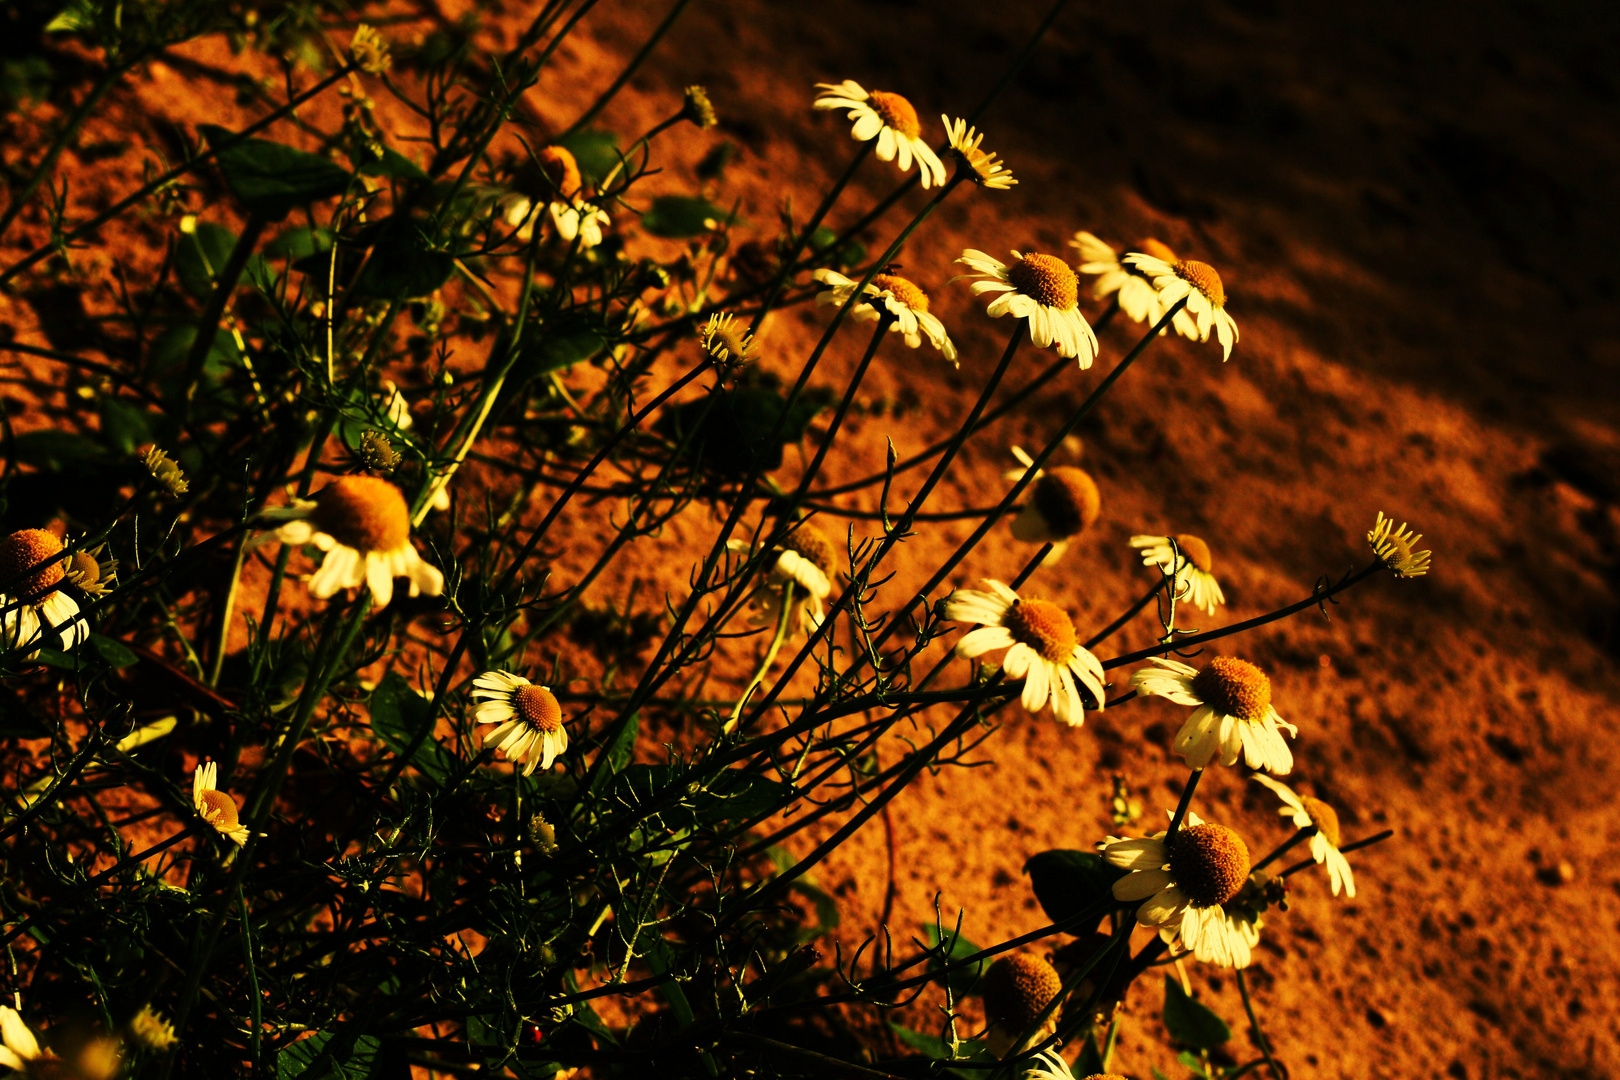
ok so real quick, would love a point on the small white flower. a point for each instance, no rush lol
(1040, 288)
(364, 527)
(1306, 812)
(1392, 546)
(32, 572)
(1184, 884)
(216, 807)
(1063, 503)
(1048, 1065)
(806, 560)
(1234, 715)
(1138, 299)
(988, 171)
(891, 120)
(1206, 297)
(1042, 648)
(1187, 558)
(21, 1051)
(900, 297)
(571, 213)
(528, 719)
(399, 410)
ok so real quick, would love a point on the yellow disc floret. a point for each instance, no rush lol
(903, 289)
(22, 552)
(1202, 276)
(365, 513)
(1044, 627)
(538, 707)
(1195, 551)
(1210, 862)
(1017, 989)
(1047, 279)
(219, 810)
(1159, 250)
(1067, 499)
(813, 544)
(896, 112)
(1234, 687)
(562, 169)
(1325, 817)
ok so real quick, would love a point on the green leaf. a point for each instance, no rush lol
(325, 1056)
(124, 426)
(299, 243)
(113, 651)
(595, 151)
(715, 161)
(402, 264)
(199, 257)
(392, 164)
(53, 449)
(1090, 1062)
(678, 216)
(272, 180)
(1190, 1022)
(624, 746)
(398, 715)
(56, 658)
(962, 981)
(929, 1045)
(1068, 883)
(173, 346)
(851, 253)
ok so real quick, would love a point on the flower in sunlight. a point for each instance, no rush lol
(528, 718)
(900, 297)
(1042, 648)
(20, 1050)
(364, 527)
(1063, 503)
(1187, 559)
(803, 567)
(1307, 812)
(1233, 714)
(891, 120)
(1138, 299)
(33, 570)
(216, 807)
(1016, 990)
(1206, 297)
(1392, 546)
(1184, 883)
(988, 171)
(1039, 288)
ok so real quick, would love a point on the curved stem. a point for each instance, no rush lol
(783, 619)
(1260, 1039)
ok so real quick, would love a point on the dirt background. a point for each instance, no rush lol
(1412, 210)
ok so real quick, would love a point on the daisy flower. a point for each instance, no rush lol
(806, 560)
(21, 1051)
(528, 718)
(1138, 299)
(148, 1030)
(1016, 989)
(32, 571)
(364, 526)
(1063, 503)
(1183, 885)
(1040, 288)
(727, 341)
(572, 215)
(1187, 558)
(1206, 297)
(1306, 812)
(216, 807)
(1042, 648)
(888, 118)
(900, 297)
(988, 171)
(1393, 547)
(1234, 714)
(92, 572)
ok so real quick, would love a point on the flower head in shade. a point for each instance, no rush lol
(166, 471)
(1042, 647)
(727, 341)
(528, 718)
(1206, 296)
(364, 526)
(560, 187)
(1186, 558)
(902, 298)
(891, 120)
(1306, 813)
(1233, 715)
(1040, 288)
(1392, 546)
(1138, 299)
(1016, 990)
(1184, 884)
(696, 107)
(805, 561)
(21, 1051)
(988, 171)
(369, 51)
(1063, 503)
(148, 1030)
(216, 807)
(33, 569)
(93, 572)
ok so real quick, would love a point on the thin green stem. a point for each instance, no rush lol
(636, 61)
(784, 619)
(1260, 1040)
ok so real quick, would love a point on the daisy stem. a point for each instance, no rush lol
(1181, 807)
(808, 231)
(1258, 1035)
(1135, 610)
(226, 614)
(885, 320)
(629, 69)
(1283, 848)
(782, 621)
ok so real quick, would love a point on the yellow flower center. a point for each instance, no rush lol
(1158, 249)
(1202, 276)
(1234, 687)
(365, 513)
(84, 571)
(1047, 279)
(1067, 499)
(813, 544)
(538, 707)
(1044, 627)
(726, 339)
(904, 290)
(1325, 817)
(562, 169)
(21, 552)
(895, 112)
(1017, 988)
(1209, 862)
(219, 810)
(1195, 551)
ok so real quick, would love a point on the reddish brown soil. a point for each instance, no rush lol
(1411, 208)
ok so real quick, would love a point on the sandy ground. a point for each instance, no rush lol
(1411, 211)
